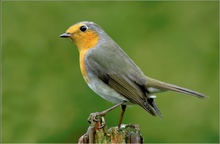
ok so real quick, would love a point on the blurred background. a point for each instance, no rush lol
(45, 99)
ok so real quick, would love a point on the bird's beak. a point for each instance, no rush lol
(65, 35)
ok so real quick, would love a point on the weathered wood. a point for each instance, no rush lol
(97, 132)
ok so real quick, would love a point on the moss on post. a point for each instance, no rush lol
(97, 132)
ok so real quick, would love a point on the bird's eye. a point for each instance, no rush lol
(83, 28)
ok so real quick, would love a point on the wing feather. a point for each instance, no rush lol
(119, 72)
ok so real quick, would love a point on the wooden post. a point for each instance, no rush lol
(97, 132)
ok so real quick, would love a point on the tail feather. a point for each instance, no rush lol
(152, 103)
(154, 86)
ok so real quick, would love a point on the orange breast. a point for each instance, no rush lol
(84, 45)
(82, 62)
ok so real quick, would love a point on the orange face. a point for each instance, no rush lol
(83, 37)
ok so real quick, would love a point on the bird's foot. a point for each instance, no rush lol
(97, 117)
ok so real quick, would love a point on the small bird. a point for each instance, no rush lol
(112, 74)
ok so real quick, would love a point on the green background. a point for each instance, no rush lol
(45, 99)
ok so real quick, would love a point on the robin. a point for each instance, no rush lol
(112, 74)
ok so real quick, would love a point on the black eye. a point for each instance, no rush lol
(83, 28)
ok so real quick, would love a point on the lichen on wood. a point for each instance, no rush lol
(97, 132)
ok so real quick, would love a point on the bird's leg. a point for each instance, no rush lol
(102, 114)
(123, 108)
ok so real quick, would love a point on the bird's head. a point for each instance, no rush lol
(84, 34)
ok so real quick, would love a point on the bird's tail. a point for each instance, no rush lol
(154, 86)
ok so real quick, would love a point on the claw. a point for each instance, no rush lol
(93, 116)
(103, 122)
